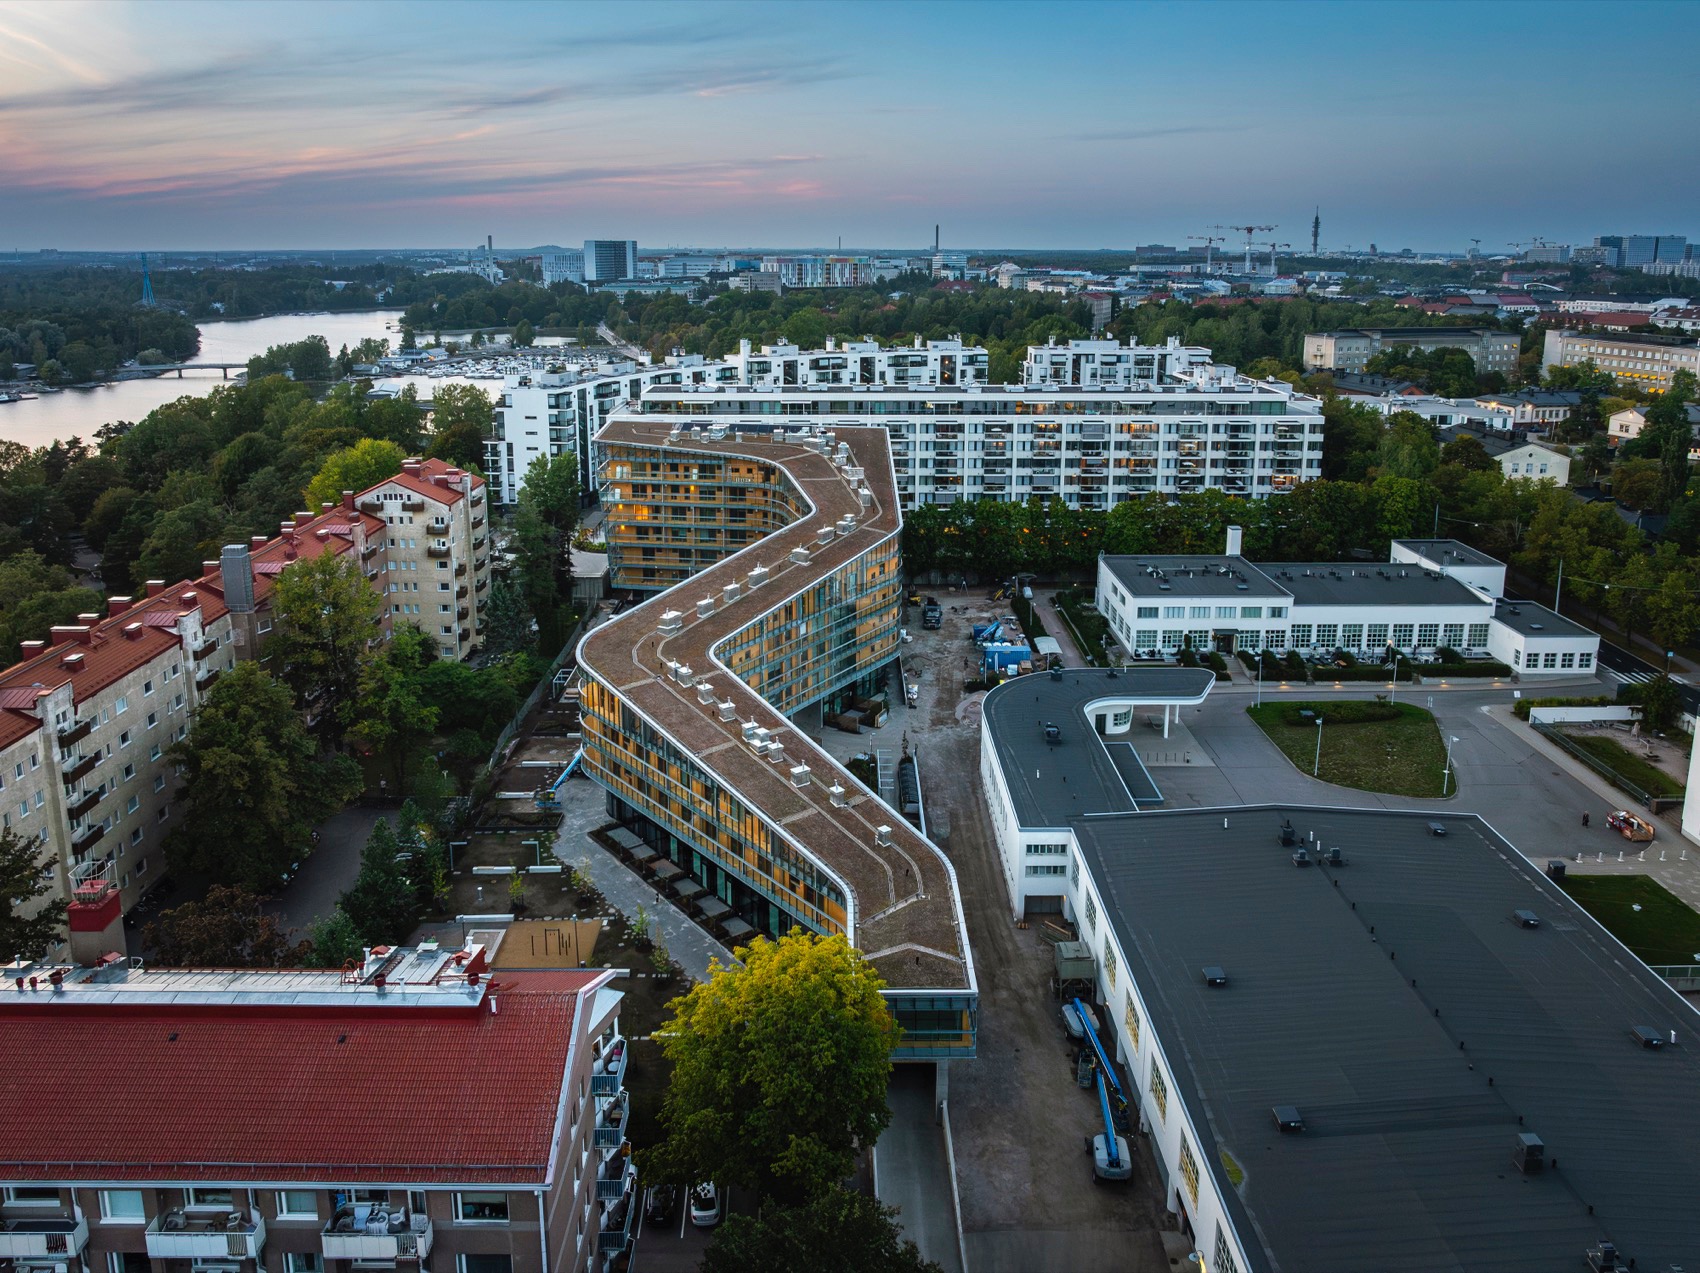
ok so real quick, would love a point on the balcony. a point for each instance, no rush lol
(371, 546)
(481, 563)
(437, 550)
(463, 612)
(79, 767)
(371, 504)
(609, 1071)
(478, 541)
(460, 569)
(614, 1178)
(414, 503)
(205, 676)
(44, 1238)
(615, 1233)
(206, 1235)
(482, 602)
(611, 1123)
(460, 592)
(83, 841)
(482, 584)
(372, 1234)
(477, 521)
(88, 800)
(203, 651)
(438, 525)
(465, 635)
(76, 731)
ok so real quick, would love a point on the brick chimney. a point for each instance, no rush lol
(348, 501)
(302, 518)
(153, 587)
(116, 606)
(77, 634)
(257, 542)
(412, 466)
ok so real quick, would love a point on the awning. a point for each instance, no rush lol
(737, 929)
(713, 907)
(688, 888)
(625, 839)
(668, 871)
(643, 853)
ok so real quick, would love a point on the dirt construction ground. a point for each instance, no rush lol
(1018, 1118)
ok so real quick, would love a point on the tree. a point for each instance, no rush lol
(544, 522)
(461, 418)
(225, 930)
(779, 1070)
(326, 612)
(366, 463)
(383, 904)
(1669, 436)
(508, 623)
(841, 1231)
(333, 939)
(390, 713)
(252, 783)
(1467, 452)
(29, 926)
(524, 336)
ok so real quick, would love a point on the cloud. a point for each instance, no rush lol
(1151, 134)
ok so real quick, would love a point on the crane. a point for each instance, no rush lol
(1248, 231)
(1272, 249)
(1111, 1159)
(1209, 241)
(1475, 247)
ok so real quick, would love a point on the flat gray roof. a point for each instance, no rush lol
(1449, 552)
(1190, 575)
(1417, 1029)
(1346, 583)
(1050, 783)
(1537, 621)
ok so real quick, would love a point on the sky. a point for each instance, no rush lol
(179, 125)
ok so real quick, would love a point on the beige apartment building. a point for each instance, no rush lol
(1350, 349)
(437, 538)
(278, 1121)
(1647, 362)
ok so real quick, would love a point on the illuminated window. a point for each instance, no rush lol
(1091, 913)
(1159, 1091)
(1189, 1169)
(1109, 964)
(1131, 1017)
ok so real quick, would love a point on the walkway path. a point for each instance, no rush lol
(583, 812)
(912, 1170)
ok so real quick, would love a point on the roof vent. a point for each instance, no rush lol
(1215, 976)
(729, 593)
(799, 775)
(800, 556)
(728, 710)
(882, 836)
(671, 621)
(758, 576)
(1526, 919)
(1529, 1154)
(1301, 858)
(1648, 1037)
(705, 692)
(1288, 1118)
(705, 607)
(836, 791)
(1535, 627)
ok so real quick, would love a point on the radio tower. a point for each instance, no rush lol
(147, 282)
(1315, 230)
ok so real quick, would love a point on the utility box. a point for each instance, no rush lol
(1529, 1155)
(1074, 961)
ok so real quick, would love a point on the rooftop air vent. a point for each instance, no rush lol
(800, 556)
(799, 775)
(836, 792)
(1529, 1154)
(705, 607)
(729, 593)
(671, 621)
(1526, 919)
(1301, 858)
(1536, 627)
(682, 673)
(1214, 976)
(728, 710)
(1335, 858)
(705, 692)
(758, 576)
(1648, 1037)
(882, 836)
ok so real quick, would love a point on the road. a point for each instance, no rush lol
(629, 350)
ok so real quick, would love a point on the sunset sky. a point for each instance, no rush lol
(182, 125)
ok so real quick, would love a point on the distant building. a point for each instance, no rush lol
(950, 264)
(1548, 253)
(757, 281)
(1646, 361)
(562, 267)
(1535, 462)
(1533, 408)
(1626, 424)
(608, 260)
(1103, 305)
(1349, 350)
(820, 271)
(1110, 364)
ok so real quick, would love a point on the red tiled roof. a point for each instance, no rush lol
(394, 1094)
(422, 483)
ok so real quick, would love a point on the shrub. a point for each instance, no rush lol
(1188, 658)
(1521, 706)
(1294, 662)
(1216, 663)
(1346, 658)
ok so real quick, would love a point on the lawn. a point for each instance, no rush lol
(1401, 756)
(1612, 754)
(1087, 626)
(1663, 931)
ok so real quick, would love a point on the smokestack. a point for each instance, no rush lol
(1233, 548)
(489, 244)
(935, 240)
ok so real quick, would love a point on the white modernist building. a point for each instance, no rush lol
(1431, 595)
(1111, 364)
(562, 267)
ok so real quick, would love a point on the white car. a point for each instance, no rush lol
(705, 1205)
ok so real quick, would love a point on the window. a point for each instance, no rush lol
(1174, 612)
(1146, 612)
(1091, 913)
(1302, 635)
(481, 1208)
(1402, 634)
(153, 719)
(121, 706)
(1189, 1169)
(1130, 1016)
(1198, 612)
(1277, 612)
(1568, 660)
(297, 1202)
(1223, 1259)
(1037, 869)
(1584, 660)
(1478, 635)
(32, 1196)
(147, 688)
(1172, 638)
(136, 838)
(1251, 612)
(142, 865)
(1550, 660)
(135, 803)
(1428, 635)
(302, 1262)
(1159, 1091)
(122, 1206)
(220, 1198)
(129, 772)
(1227, 612)
(1050, 850)
(1352, 636)
(1109, 965)
(159, 782)
(154, 753)
(1328, 635)
(124, 739)
(1453, 635)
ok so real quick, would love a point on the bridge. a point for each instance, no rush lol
(225, 368)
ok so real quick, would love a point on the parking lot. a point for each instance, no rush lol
(676, 1245)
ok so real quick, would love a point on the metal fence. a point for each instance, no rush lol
(1684, 978)
(1599, 766)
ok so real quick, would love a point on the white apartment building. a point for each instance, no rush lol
(1205, 428)
(1628, 423)
(1536, 463)
(820, 271)
(1111, 364)
(1349, 350)
(437, 572)
(562, 267)
(1648, 362)
(859, 362)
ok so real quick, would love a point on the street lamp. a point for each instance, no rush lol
(1446, 770)
(1259, 677)
(1394, 696)
(1316, 766)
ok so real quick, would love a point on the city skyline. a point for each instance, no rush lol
(310, 126)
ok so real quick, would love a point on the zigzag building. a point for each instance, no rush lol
(788, 594)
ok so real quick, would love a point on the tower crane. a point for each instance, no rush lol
(1209, 241)
(1272, 249)
(1475, 247)
(1248, 231)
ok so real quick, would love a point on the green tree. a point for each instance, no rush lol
(461, 418)
(31, 919)
(389, 711)
(1467, 452)
(333, 941)
(226, 929)
(383, 903)
(1670, 436)
(840, 1231)
(366, 463)
(544, 521)
(325, 612)
(779, 1070)
(252, 783)
(508, 623)
(524, 336)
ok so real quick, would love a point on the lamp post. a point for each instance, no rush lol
(1446, 770)
(1394, 696)
(1316, 766)
(1260, 654)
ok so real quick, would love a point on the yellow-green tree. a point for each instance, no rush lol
(366, 463)
(779, 1070)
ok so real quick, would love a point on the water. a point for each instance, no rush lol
(81, 412)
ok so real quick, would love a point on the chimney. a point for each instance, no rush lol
(325, 506)
(153, 587)
(116, 606)
(89, 619)
(257, 542)
(1233, 548)
(348, 501)
(411, 466)
(31, 648)
(69, 632)
(236, 568)
(303, 518)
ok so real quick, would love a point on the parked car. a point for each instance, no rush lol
(658, 1203)
(705, 1204)
(1629, 826)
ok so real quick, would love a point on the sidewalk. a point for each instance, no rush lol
(626, 890)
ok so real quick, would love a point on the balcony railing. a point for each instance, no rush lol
(611, 1123)
(438, 525)
(437, 550)
(615, 1235)
(460, 569)
(477, 521)
(78, 767)
(614, 1178)
(481, 563)
(371, 504)
(205, 676)
(609, 1071)
(374, 1234)
(76, 731)
(206, 1235)
(43, 1238)
(86, 840)
(414, 503)
(88, 800)
(482, 584)
(463, 612)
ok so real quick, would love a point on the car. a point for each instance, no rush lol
(658, 1203)
(705, 1204)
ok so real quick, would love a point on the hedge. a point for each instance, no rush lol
(1521, 706)
(1479, 667)
(1364, 672)
(1349, 711)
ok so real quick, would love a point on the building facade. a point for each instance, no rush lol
(820, 271)
(562, 267)
(1536, 463)
(609, 260)
(782, 555)
(437, 572)
(1349, 350)
(261, 1123)
(1648, 362)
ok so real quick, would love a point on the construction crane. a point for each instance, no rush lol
(147, 282)
(1111, 1159)
(1475, 247)
(1249, 231)
(1209, 241)
(1536, 242)
(1272, 249)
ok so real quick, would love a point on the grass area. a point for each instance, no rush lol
(1236, 1173)
(1663, 931)
(1613, 754)
(1086, 625)
(1401, 756)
